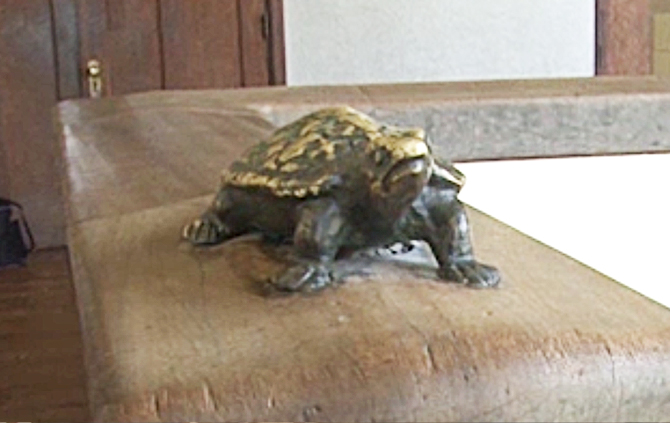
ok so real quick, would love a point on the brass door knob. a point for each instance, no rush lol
(94, 75)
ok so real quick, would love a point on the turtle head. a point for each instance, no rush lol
(403, 164)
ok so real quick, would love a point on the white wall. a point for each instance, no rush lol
(376, 41)
(610, 213)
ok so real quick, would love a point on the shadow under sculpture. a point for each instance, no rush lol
(336, 182)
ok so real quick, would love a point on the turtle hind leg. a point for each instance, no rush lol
(212, 227)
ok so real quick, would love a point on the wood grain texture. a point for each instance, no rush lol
(66, 39)
(174, 333)
(115, 162)
(262, 39)
(28, 94)
(124, 36)
(41, 357)
(255, 36)
(624, 37)
(201, 44)
(5, 183)
(557, 342)
(277, 43)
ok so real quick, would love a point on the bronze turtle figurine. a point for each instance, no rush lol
(336, 180)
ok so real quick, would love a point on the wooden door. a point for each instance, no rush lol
(179, 44)
(124, 36)
(201, 44)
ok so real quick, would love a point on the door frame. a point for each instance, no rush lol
(624, 36)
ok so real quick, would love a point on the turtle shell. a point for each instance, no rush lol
(321, 151)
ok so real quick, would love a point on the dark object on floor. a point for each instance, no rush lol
(16, 240)
(337, 180)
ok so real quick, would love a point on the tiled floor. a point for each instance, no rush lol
(41, 362)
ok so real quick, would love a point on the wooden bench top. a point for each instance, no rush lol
(175, 333)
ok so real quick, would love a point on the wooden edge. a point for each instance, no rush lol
(60, 136)
(467, 121)
(416, 93)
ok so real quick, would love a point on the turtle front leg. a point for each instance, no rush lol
(211, 227)
(319, 233)
(447, 231)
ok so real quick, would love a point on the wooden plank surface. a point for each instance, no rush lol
(29, 87)
(98, 160)
(201, 46)
(41, 356)
(177, 333)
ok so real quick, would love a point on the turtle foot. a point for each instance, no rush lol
(471, 273)
(303, 278)
(208, 230)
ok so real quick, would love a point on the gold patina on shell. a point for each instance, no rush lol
(320, 151)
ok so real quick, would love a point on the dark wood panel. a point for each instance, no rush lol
(262, 39)
(66, 39)
(124, 36)
(27, 95)
(624, 37)
(255, 25)
(201, 47)
(277, 44)
(4, 171)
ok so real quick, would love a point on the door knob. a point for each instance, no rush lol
(94, 75)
